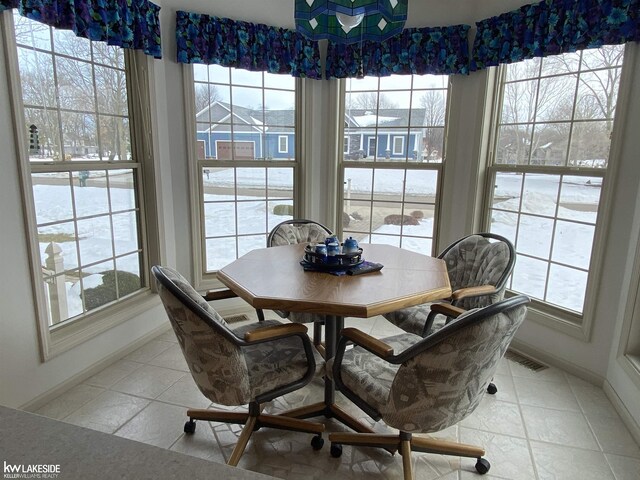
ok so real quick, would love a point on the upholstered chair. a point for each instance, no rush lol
(424, 385)
(250, 365)
(291, 232)
(478, 266)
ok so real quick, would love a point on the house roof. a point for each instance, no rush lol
(247, 119)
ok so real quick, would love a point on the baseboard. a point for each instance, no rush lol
(625, 416)
(46, 397)
(529, 351)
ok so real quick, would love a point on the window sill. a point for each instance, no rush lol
(66, 337)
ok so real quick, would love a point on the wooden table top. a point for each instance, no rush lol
(272, 278)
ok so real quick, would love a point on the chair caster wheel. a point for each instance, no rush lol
(190, 427)
(317, 442)
(492, 389)
(336, 450)
(482, 466)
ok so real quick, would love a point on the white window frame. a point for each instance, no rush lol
(381, 164)
(202, 279)
(286, 144)
(71, 333)
(552, 316)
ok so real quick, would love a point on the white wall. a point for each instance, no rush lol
(23, 377)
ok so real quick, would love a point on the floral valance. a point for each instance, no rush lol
(124, 23)
(437, 51)
(553, 27)
(222, 41)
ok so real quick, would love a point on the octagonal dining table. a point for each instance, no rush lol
(272, 278)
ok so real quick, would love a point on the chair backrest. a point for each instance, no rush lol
(443, 377)
(477, 260)
(215, 359)
(295, 231)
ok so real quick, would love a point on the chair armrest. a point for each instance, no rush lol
(447, 309)
(274, 332)
(372, 344)
(212, 295)
(473, 292)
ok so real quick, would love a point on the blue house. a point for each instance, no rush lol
(385, 136)
(270, 134)
(256, 133)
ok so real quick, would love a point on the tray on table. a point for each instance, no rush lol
(317, 262)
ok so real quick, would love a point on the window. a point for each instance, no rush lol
(84, 174)
(550, 160)
(246, 172)
(391, 193)
(398, 145)
(345, 145)
(283, 144)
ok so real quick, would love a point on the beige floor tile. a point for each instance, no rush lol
(509, 456)
(148, 351)
(168, 336)
(548, 406)
(172, 357)
(496, 416)
(201, 444)
(624, 468)
(185, 393)
(593, 401)
(554, 462)
(561, 427)
(540, 393)
(158, 424)
(107, 412)
(148, 381)
(613, 436)
(113, 373)
(70, 401)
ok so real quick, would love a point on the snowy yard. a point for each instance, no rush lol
(565, 241)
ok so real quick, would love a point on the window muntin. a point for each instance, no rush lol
(552, 150)
(84, 177)
(245, 129)
(394, 127)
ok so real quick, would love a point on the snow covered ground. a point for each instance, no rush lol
(568, 243)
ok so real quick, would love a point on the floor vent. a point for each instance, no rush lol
(524, 361)
(236, 318)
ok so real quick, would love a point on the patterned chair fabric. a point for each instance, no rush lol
(442, 383)
(228, 373)
(477, 261)
(471, 261)
(292, 232)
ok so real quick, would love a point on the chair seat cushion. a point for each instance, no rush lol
(367, 375)
(413, 319)
(276, 363)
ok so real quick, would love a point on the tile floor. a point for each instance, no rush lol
(544, 425)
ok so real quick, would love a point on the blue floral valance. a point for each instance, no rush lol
(553, 27)
(124, 23)
(437, 51)
(207, 39)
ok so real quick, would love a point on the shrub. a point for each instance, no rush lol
(283, 210)
(105, 293)
(400, 220)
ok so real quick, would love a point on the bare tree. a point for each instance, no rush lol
(371, 101)
(206, 95)
(434, 104)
